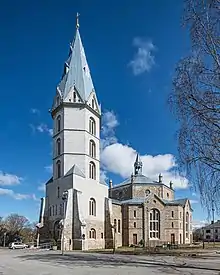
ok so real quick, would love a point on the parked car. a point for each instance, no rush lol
(17, 245)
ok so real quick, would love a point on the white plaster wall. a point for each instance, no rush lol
(91, 189)
(65, 183)
(74, 118)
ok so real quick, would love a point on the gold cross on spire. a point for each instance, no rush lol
(77, 20)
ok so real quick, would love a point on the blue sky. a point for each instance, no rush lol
(131, 50)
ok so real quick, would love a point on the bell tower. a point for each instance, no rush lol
(76, 115)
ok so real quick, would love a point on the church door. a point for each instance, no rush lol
(134, 238)
(172, 238)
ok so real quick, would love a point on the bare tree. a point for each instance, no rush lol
(195, 101)
(16, 223)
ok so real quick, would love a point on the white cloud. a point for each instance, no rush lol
(9, 179)
(35, 111)
(194, 201)
(42, 128)
(109, 122)
(199, 224)
(42, 187)
(118, 158)
(16, 196)
(103, 176)
(143, 59)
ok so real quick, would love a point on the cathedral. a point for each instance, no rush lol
(79, 210)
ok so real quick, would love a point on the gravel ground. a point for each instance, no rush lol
(29, 262)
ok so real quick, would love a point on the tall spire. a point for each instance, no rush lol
(76, 70)
(138, 165)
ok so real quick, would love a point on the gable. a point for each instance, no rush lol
(92, 102)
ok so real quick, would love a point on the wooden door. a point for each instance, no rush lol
(134, 238)
(172, 238)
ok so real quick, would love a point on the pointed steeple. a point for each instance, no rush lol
(138, 165)
(76, 75)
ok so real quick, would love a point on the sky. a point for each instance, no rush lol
(131, 48)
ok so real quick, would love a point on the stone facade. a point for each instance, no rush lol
(80, 209)
(142, 201)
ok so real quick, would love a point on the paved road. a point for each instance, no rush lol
(28, 262)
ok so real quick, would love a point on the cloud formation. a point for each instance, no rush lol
(109, 123)
(41, 128)
(143, 59)
(17, 196)
(118, 158)
(42, 187)
(9, 179)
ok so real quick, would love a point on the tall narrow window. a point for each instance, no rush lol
(92, 233)
(115, 225)
(172, 214)
(56, 210)
(58, 123)
(119, 226)
(92, 207)
(92, 170)
(92, 126)
(135, 213)
(58, 168)
(154, 224)
(58, 146)
(74, 96)
(53, 209)
(58, 192)
(187, 223)
(93, 103)
(92, 149)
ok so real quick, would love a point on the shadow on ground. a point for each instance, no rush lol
(97, 260)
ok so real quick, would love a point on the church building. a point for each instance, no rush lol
(78, 208)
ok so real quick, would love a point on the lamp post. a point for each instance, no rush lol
(64, 198)
(4, 239)
(213, 214)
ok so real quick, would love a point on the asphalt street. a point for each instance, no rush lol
(29, 262)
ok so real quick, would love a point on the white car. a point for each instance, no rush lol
(17, 245)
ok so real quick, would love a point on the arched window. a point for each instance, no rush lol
(92, 149)
(92, 233)
(92, 126)
(74, 96)
(92, 207)
(58, 168)
(58, 146)
(187, 222)
(58, 123)
(154, 224)
(115, 225)
(92, 170)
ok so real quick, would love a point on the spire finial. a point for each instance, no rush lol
(138, 165)
(77, 20)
